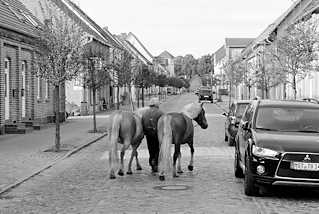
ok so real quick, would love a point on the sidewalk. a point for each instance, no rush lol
(24, 155)
(224, 104)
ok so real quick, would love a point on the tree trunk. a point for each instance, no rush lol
(284, 91)
(118, 97)
(230, 91)
(294, 86)
(138, 97)
(143, 96)
(249, 87)
(94, 110)
(130, 98)
(57, 119)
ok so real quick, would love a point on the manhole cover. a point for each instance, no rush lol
(172, 187)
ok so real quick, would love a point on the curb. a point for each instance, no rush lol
(54, 162)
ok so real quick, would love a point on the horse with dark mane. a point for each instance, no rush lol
(124, 128)
(177, 128)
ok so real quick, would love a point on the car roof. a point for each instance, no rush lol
(290, 103)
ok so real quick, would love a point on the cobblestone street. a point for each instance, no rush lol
(81, 184)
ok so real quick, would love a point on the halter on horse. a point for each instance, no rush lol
(177, 128)
(125, 128)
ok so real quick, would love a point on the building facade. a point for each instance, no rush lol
(166, 60)
(23, 96)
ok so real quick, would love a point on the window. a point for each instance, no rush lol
(47, 89)
(39, 88)
(23, 77)
(6, 77)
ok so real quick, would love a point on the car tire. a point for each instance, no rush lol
(249, 181)
(238, 171)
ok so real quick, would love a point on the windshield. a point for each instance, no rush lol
(288, 119)
(240, 109)
(205, 91)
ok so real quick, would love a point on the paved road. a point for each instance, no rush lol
(81, 184)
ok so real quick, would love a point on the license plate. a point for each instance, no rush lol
(304, 166)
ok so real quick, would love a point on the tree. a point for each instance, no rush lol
(96, 74)
(142, 80)
(60, 58)
(295, 50)
(205, 65)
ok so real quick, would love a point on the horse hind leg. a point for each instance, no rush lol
(129, 168)
(138, 165)
(177, 154)
(179, 167)
(191, 162)
(124, 148)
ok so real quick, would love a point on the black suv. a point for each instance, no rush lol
(234, 115)
(277, 144)
(205, 93)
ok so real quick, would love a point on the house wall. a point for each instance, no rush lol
(18, 52)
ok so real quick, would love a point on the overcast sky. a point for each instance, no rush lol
(197, 27)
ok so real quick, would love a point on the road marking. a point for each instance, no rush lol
(217, 152)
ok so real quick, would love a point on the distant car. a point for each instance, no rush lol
(71, 109)
(76, 112)
(223, 91)
(205, 93)
(234, 115)
(277, 144)
(311, 100)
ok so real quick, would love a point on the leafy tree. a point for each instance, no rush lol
(96, 74)
(60, 59)
(295, 51)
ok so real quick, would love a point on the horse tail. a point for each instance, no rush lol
(114, 136)
(166, 140)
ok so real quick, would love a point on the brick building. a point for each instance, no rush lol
(23, 96)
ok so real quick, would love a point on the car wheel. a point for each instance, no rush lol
(226, 137)
(238, 171)
(249, 181)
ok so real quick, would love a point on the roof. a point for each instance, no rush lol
(166, 54)
(104, 32)
(289, 103)
(71, 11)
(238, 42)
(310, 7)
(220, 54)
(16, 17)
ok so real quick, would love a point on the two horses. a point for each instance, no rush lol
(161, 130)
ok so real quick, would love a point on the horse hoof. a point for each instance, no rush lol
(120, 173)
(162, 178)
(190, 168)
(112, 177)
(129, 173)
(139, 168)
(180, 172)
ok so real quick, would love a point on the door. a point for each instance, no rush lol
(23, 77)
(6, 89)
(244, 135)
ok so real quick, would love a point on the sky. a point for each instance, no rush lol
(183, 27)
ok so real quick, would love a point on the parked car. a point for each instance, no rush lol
(205, 93)
(312, 100)
(72, 109)
(234, 115)
(277, 144)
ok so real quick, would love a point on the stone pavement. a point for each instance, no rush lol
(23, 155)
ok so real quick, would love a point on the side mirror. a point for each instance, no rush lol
(246, 126)
(225, 114)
